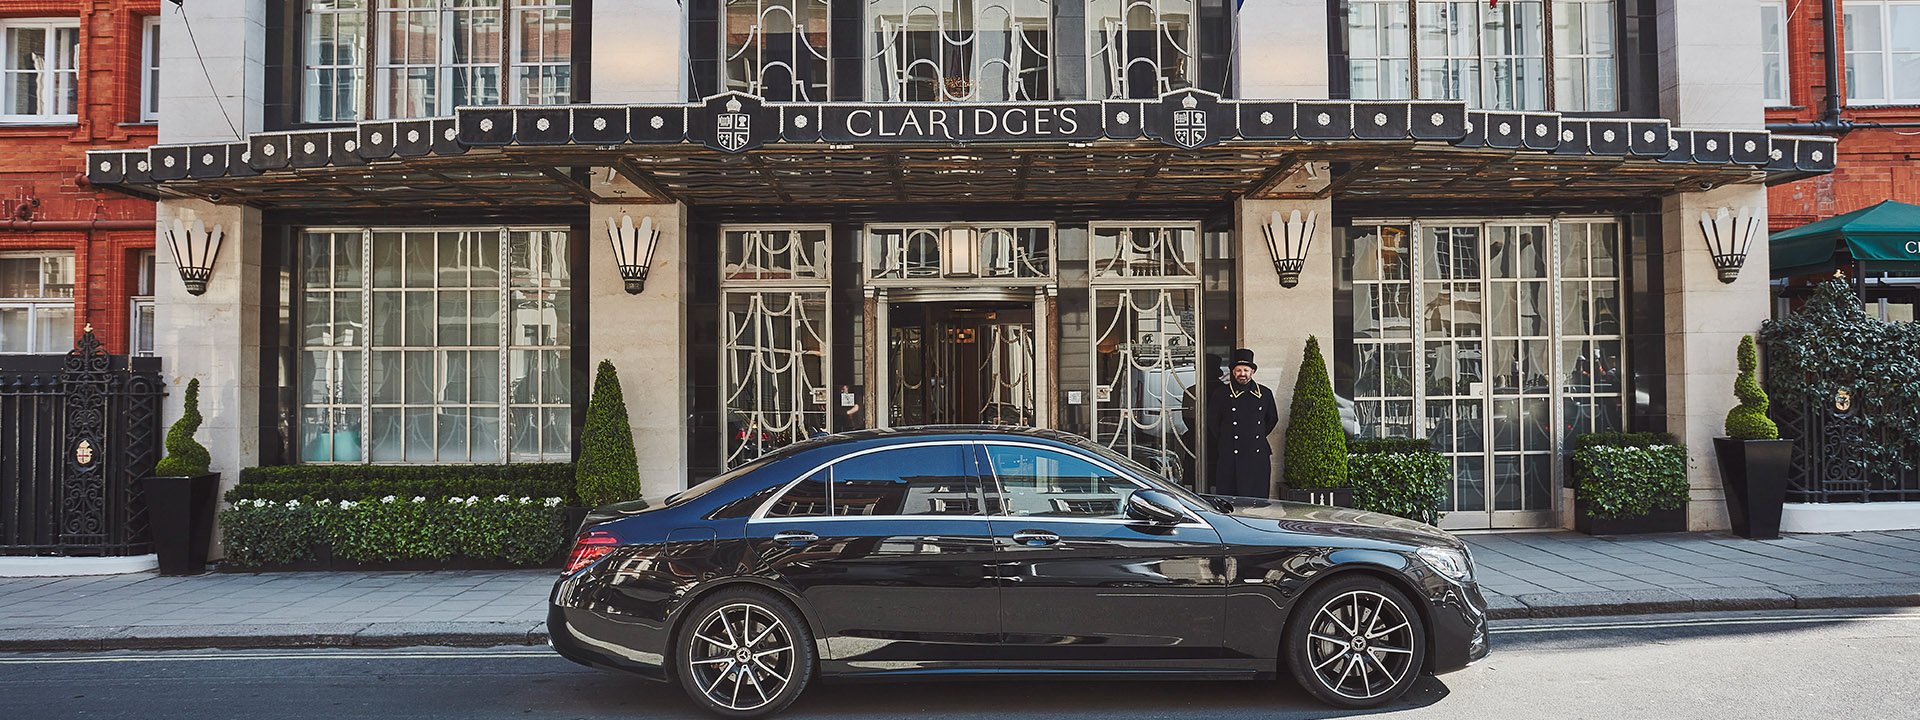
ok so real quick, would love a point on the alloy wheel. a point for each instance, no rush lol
(1360, 645)
(741, 656)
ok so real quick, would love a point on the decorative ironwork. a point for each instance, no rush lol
(78, 432)
(1146, 252)
(998, 252)
(1146, 360)
(774, 287)
(983, 51)
(776, 49)
(1140, 48)
(1826, 466)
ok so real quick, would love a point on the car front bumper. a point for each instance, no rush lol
(1459, 631)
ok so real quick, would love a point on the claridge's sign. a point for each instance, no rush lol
(973, 123)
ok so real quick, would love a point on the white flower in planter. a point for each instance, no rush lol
(526, 501)
(471, 499)
(419, 498)
(553, 502)
(388, 500)
(292, 504)
(502, 498)
(456, 501)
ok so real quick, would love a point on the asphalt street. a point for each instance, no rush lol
(1773, 664)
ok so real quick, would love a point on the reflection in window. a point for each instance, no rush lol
(960, 50)
(1583, 56)
(36, 303)
(1883, 51)
(1773, 51)
(428, 57)
(461, 362)
(776, 49)
(928, 480)
(1140, 48)
(1048, 483)
(807, 498)
(39, 70)
(1491, 55)
(774, 337)
(1379, 262)
(1006, 252)
(1145, 251)
(1378, 35)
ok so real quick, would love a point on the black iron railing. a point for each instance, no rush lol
(77, 432)
(1827, 469)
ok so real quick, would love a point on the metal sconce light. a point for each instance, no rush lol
(1288, 239)
(633, 250)
(1729, 236)
(194, 250)
(960, 251)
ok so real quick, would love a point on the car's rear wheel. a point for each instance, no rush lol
(1356, 642)
(744, 653)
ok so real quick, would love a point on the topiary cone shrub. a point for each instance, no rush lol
(1748, 420)
(185, 456)
(1316, 448)
(607, 471)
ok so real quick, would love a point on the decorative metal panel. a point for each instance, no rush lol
(775, 352)
(776, 49)
(1011, 252)
(1140, 48)
(960, 50)
(1143, 252)
(1146, 366)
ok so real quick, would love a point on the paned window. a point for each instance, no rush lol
(1140, 48)
(978, 51)
(150, 69)
(1773, 51)
(1883, 51)
(426, 57)
(40, 70)
(776, 49)
(774, 286)
(140, 340)
(1145, 292)
(1493, 56)
(436, 345)
(1379, 267)
(36, 303)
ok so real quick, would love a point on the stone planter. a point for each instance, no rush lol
(1658, 521)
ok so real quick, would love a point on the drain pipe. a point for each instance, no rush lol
(1830, 120)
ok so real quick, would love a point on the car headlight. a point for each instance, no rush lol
(1456, 564)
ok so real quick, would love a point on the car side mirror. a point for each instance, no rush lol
(1155, 507)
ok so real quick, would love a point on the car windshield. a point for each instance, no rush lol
(1158, 481)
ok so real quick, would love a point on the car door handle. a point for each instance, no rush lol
(795, 537)
(1035, 538)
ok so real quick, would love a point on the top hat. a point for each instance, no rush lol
(1244, 356)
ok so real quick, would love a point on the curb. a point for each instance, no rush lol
(1650, 602)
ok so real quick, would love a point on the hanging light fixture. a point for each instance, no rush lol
(1729, 234)
(960, 255)
(194, 250)
(633, 250)
(1287, 240)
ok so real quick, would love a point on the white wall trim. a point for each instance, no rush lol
(1849, 517)
(70, 566)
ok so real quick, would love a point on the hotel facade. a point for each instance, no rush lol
(782, 218)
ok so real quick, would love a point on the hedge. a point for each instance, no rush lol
(281, 483)
(1316, 444)
(518, 530)
(1624, 475)
(1388, 446)
(607, 472)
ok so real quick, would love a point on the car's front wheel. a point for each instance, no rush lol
(744, 653)
(1356, 642)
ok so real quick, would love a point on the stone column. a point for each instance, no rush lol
(1283, 49)
(1709, 78)
(1705, 320)
(1275, 321)
(214, 337)
(645, 336)
(232, 37)
(639, 51)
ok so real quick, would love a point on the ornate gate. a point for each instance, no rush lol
(77, 432)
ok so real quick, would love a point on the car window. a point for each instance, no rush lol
(924, 480)
(1048, 483)
(808, 498)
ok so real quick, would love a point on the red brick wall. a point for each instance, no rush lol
(41, 165)
(1874, 164)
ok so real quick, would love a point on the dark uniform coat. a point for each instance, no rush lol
(1239, 418)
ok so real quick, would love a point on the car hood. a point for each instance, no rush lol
(1302, 518)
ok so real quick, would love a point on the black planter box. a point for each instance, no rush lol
(1334, 497)
(1658, 521)
(180, 513)
(1754, 475)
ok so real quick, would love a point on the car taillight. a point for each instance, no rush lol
(590, 547)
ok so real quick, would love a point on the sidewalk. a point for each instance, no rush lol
(1524, 575)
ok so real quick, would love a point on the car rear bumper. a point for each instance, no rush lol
(608, 642)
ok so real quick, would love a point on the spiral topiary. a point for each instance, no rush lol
(1748, 420)
(1316, 443)
(607, 471)
(185, 456)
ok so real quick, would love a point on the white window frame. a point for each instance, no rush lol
(35, 305)
(142, 298)
(1579, 65)
(371, 73)
(1880, 54)
(49, 89)
(150, 69)
(1470, 65)
(1775, 89)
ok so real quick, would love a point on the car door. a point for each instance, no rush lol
(891, 550)
(1083, 586)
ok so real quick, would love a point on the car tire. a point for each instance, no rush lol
(1355, 642)
(744, 653)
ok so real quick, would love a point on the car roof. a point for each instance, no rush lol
(974, 432)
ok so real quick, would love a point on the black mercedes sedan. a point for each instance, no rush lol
(970, 552)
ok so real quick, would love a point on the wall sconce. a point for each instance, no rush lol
(960, 251)
(1287, 240)
(1729, 235)
(194, 250)
(633, 250)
